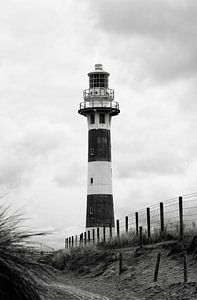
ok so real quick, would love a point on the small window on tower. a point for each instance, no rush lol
(92, 151)
(102, 118)
(91, 210)
(92, 119)
(91, 180)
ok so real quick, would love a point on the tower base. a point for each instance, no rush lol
(100, 211)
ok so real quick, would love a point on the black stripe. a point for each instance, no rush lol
(100, 210)
(99, 145)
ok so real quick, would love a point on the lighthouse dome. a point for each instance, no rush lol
(98, 69)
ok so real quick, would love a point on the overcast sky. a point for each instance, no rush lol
(47, 48)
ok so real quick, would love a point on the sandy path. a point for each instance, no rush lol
(80, 294)
(135, 283)
(62, 291)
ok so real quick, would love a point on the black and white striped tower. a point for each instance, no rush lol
(99, 107)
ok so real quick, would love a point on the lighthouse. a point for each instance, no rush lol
(99, 107)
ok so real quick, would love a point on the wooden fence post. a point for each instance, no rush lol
(118, 228)
(148, 221)
(161, 219)
(126, 224)
(81, 239)
(104, 234)
(136, 222)
(85, 237)
(110, 230)
(89, 237)
(141, 238)
(66, 243)
(72, 241)
(120, 263)
(157, 267)
(69, 241)
(181, 217)
(98, 234)
(76, 241)
(185, 266)
(93, 236)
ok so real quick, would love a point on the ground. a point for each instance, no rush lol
(101, 279)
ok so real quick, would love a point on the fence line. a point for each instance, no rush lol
(178, 214)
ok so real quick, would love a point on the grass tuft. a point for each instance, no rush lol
(17, 269)
(132, 240)
(82, 259)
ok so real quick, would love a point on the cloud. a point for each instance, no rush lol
(14, 171)
(154, 135)
(149, 164)
(155, 39)
(187, 102)
(151, 153)
(40, 138)
(159, 19)
(47, 48)
(70, 174)
(24, 150)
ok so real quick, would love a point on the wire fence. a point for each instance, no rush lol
(176, 214)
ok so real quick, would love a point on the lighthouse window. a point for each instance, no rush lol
(91, 210)
(92, 151)
(92, 119)
(91, 180)
(102, 118)
(98, 80)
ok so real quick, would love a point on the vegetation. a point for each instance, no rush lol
(17, 268)
(132, 240)
(82, 258)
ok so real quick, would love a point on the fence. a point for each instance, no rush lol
(175, 214)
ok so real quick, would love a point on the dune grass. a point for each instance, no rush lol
(130, 239)
(17, 268)
(82, 257)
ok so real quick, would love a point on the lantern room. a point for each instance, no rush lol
(98, 78)
(98, 96)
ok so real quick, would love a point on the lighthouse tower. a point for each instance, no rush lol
(99, 107)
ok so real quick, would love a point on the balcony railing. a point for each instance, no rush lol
(98, 92)
(99, 104)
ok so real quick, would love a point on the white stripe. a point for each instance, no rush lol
(101, 173)
(97, 125)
